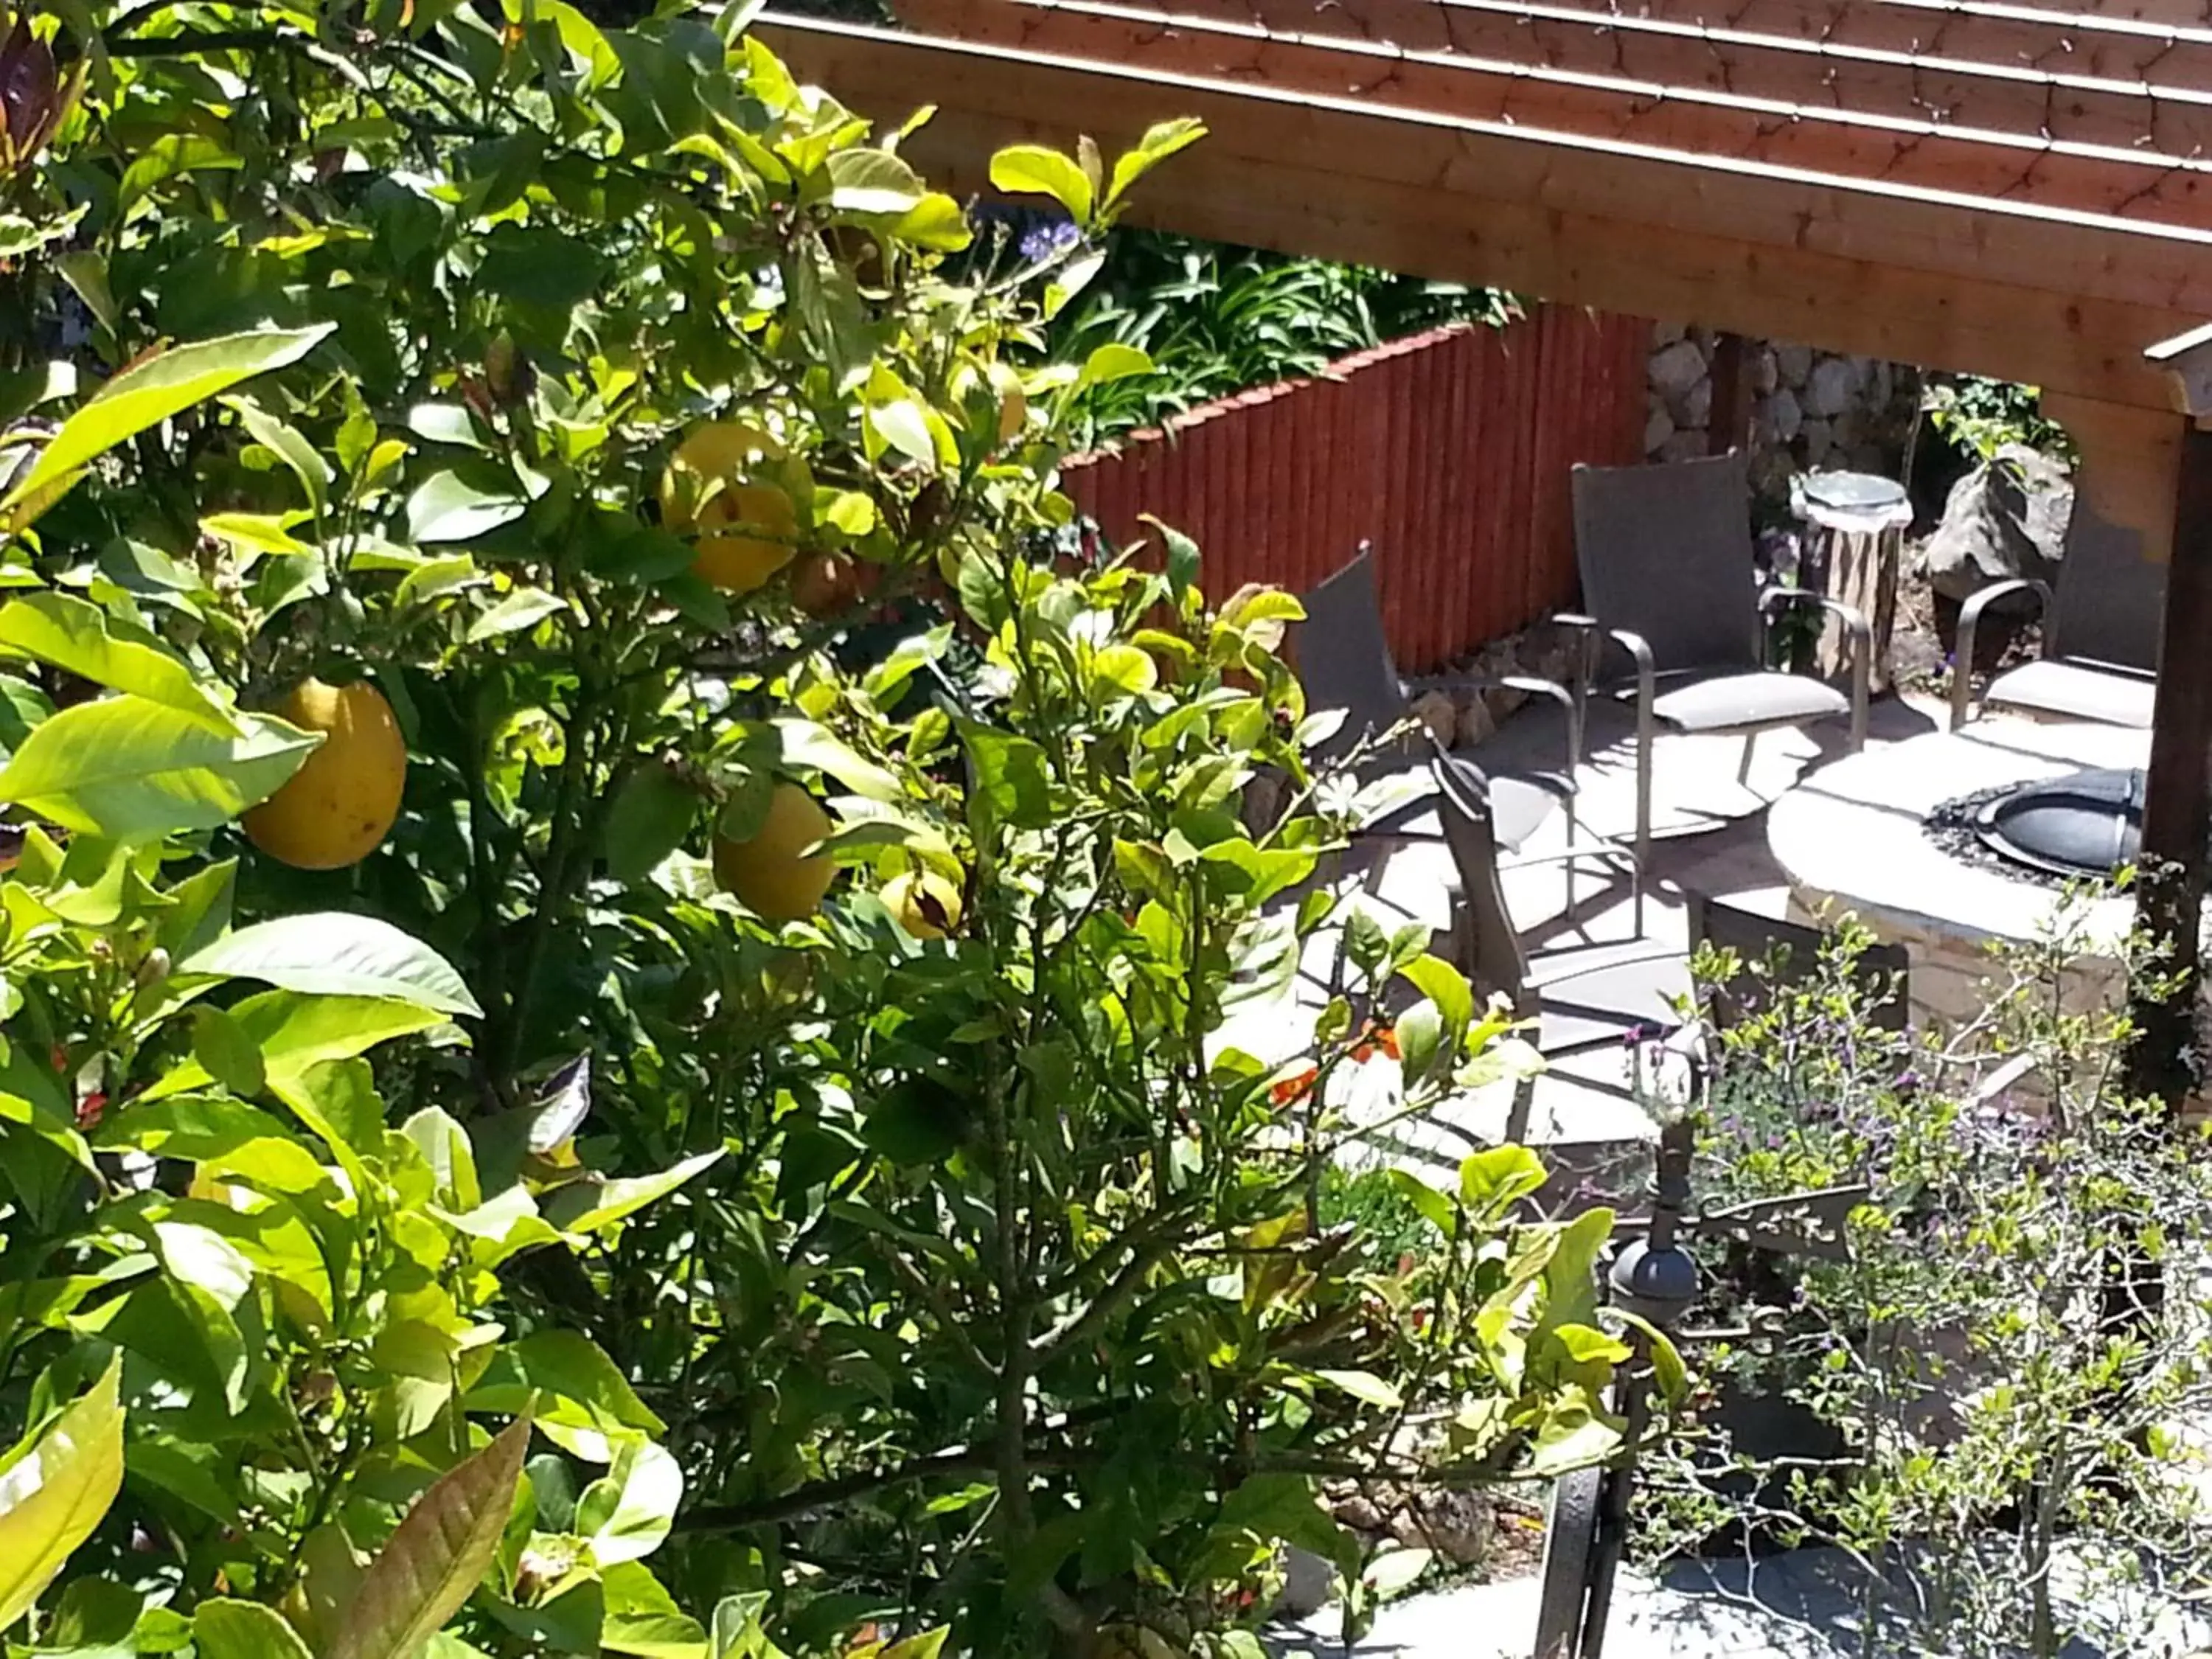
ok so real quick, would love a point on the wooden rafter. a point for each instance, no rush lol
(1694, 113)
(1345, 183)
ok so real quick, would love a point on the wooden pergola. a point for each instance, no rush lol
(2017, 188)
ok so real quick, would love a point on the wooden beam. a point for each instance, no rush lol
(2085, 257)
(2130, 464)
(2032, 87)
(2186, 361)
(1689, 118)
(2072, 45)
(2177, 797)
(1329, 178)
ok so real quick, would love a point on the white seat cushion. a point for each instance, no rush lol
(1742, 701)
(2077, 690)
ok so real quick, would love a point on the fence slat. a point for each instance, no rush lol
(1449, 450)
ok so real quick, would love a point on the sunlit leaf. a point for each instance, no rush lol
(1034, 170)
(69, 633)
(337, 953)
(437, 1557)
(54, 1489)
(132, 770)
(162, 385)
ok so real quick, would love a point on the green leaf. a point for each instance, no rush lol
(648, 818)
(935, 222)
(1183, 557)
(873, 181)
(1034, 170)
(1112, 362)
(226, 1629)
(337, 953)
(290, 447)
(586, 1206)
(54, 1490)
(231, 1057)
(133, 770)
(464, 503)
(1447, 988)
(523, 608)
(438, 1556)
(585, 1403)
(149, 392)
(166, 157)
(69, 633)
(629, 1514)
(23, 706)
(1491, 1181)
(804, 745)
(928, 1644)
(1364, 1386)
(1158, 143)
(1011, 773)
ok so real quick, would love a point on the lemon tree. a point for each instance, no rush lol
(618, 983)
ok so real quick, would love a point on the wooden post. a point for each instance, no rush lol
(1728, 424)
(2176, 810)
(2177, 795)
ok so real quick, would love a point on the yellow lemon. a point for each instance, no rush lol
(1013, 402)
(771, 873)
(337, 808)
(923, 902)
(747, 531)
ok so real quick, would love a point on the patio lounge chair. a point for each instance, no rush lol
(1582, 1008)
(1665, 555)
(2101, 635)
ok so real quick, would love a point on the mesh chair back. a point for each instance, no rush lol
(1776, 955)
(2110, 603)
(1344, 659)
(1488, 950)
(1665, 551)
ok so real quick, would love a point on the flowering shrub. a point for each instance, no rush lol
(1998, 1391)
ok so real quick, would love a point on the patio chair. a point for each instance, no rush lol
(1665, 555)
(1584, 1007)
(1344, 663)
(2100, 634)
(1788, 952)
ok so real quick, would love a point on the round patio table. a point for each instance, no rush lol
(1851, 838)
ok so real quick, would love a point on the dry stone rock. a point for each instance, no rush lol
(1794, 363)
(1765, 373)
(1434, 710)
(1683, 447)
(1675, 368)
(1658, 427)
(2003, 520)
(1778, 416)
(1832, 387)
(1473, 722)
(1813, 439)
(1665, 334)
(1694, 407)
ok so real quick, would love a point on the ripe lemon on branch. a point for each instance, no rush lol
(747, 529)
(923, 902)
(337, 808)
(770, 872)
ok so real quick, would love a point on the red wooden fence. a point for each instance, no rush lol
(1448, 451)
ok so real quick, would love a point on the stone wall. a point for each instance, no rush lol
(1810, 410)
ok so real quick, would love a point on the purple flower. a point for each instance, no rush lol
(1052, 236)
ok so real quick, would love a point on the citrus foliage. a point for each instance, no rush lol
(571, 1212)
